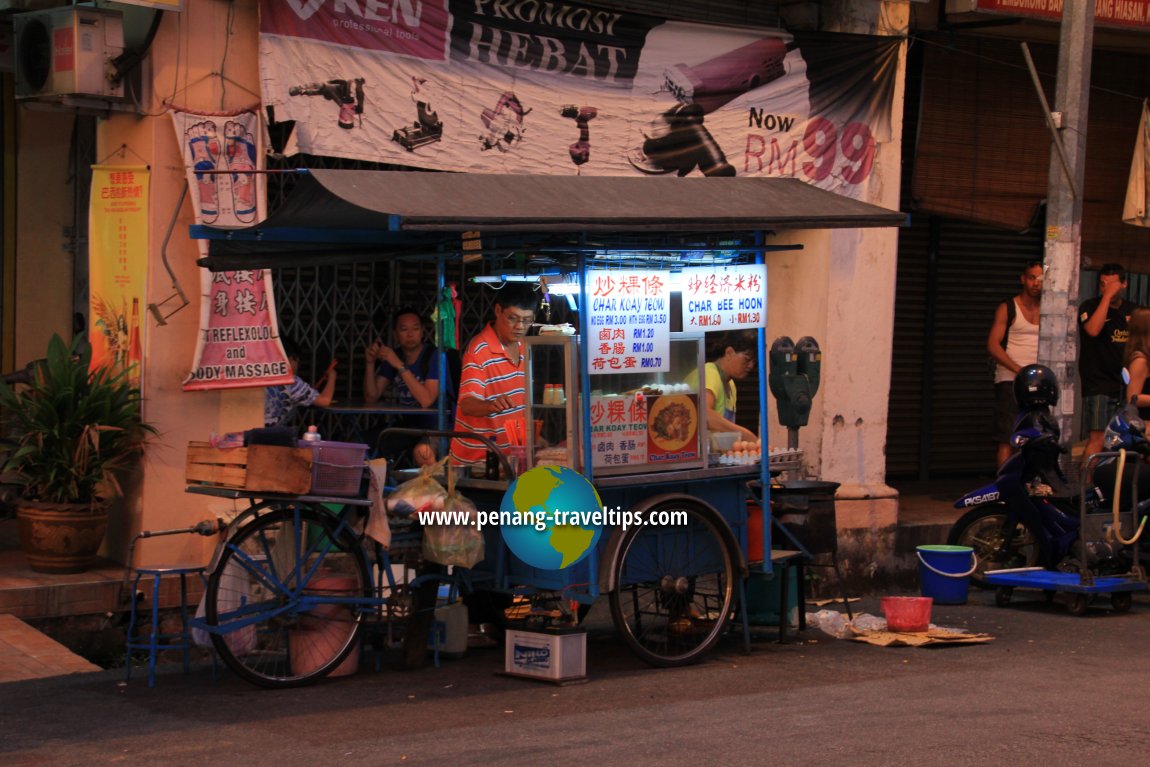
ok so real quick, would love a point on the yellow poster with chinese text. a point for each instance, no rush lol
(118, 266)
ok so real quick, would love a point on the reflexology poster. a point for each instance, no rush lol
(238, 344)
(534, 87)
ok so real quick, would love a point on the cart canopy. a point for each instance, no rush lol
(344, 215)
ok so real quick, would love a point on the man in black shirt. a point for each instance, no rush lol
(1101, 342)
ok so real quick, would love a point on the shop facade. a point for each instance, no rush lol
(838, 288)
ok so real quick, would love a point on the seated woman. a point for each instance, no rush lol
(411, 370)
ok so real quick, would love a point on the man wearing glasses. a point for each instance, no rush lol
(492, 388)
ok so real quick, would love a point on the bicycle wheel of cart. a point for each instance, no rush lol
(279, 596)
(674, 586)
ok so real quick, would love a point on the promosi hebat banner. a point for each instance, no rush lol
(524, 86)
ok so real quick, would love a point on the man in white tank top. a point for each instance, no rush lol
(1020, 350)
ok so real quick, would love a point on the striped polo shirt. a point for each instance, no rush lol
(488, 372)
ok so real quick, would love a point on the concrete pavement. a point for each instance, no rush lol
(1051, 689)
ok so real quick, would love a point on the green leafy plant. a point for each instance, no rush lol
(72, 431)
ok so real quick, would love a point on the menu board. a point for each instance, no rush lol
(630, 321)
(725, 297)
(637, 429)
(618, 430)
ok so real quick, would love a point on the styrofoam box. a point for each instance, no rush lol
(554, 655)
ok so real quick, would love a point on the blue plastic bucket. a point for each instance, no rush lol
(944, 572)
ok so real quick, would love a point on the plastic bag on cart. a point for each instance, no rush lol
(424, 493)
(459, 544)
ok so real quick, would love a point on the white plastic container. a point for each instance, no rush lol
(451, 629)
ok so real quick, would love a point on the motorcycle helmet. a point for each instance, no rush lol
(1035, 386)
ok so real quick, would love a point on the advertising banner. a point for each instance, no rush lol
(527, 87)
(238, 345)
(1120, 14)
(118, 266)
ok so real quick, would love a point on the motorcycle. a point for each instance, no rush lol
(1026, 519)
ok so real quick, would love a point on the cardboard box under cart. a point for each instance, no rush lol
(552, 655)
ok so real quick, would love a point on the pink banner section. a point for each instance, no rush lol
(238, 346)
(415, 28)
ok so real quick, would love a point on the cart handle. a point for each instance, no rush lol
(973, 567)
(436, 433)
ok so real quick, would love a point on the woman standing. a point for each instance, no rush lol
(732, 357)
(1136, 360)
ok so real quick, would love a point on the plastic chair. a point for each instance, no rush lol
(155, 641)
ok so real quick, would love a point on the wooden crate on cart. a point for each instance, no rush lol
(260, 468)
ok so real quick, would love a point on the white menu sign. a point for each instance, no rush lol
(725, 297)
(618, 430)
(630, 321)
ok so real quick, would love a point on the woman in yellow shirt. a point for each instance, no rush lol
(732, 357)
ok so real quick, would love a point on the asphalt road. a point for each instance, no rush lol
(1051, 689)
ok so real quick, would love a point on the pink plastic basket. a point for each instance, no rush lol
(336, 467)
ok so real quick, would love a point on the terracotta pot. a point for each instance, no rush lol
(61, 538)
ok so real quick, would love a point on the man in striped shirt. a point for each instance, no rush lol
(492, 389)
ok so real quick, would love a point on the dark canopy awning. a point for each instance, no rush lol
(380, 214)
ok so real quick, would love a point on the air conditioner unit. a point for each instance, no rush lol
(67, 52)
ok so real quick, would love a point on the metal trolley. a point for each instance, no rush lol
(1084, 584)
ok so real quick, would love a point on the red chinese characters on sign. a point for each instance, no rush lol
(630, 321)
(618, 430)
(725, 297)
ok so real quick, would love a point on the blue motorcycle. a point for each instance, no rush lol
(1026, 519)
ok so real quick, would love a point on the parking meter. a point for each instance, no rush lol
(783, 363)
(810, 359)
(791, 382)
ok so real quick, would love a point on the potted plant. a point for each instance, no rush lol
(71, 432)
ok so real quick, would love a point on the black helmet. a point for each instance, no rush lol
(1035, 386)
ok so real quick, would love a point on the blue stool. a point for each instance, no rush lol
(155, 641)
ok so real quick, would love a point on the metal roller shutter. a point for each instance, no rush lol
(942, 394)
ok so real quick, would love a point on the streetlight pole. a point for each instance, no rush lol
(1058, 326)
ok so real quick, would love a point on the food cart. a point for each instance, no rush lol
(630, 419)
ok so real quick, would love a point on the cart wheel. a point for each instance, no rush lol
(673, 586)
(1002, 595)
(1078, 604)
(279, 625)
(1121, 601)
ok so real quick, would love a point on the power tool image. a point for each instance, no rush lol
(678, 142)
(347, 94)
(504, 123)
(427, 128)
(581, 149)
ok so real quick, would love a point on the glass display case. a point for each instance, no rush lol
(552, 393)
(640, 422)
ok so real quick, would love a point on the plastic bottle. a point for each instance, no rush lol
(312, 434)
